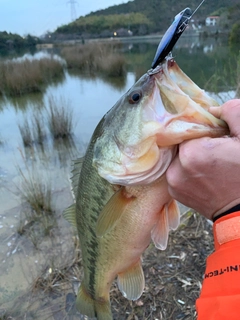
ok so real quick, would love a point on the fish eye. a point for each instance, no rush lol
(135, 97)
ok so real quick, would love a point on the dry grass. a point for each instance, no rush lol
(173, 281)
(173, 277)
(60, 118)
(53, 278)
(37, 219)
(36, 192)
(32, 130)
(20, 77)
(26, 133)
(95, 58)
(38, 126)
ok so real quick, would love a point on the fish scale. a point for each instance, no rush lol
(121, 193)
(90, 203)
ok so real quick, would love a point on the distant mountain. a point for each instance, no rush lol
(143, 16)
(162, 12)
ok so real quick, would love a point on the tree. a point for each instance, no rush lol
(235, 36)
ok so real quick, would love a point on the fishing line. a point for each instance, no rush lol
(185, 23)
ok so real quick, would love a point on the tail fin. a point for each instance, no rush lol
(93, 308)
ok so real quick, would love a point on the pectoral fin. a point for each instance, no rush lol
(112, 212)
(169, 219)
(173, 215)
(160, 231)
(131, 283)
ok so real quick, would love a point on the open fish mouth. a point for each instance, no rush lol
(163, 108)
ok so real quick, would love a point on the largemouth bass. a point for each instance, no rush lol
(121, 193)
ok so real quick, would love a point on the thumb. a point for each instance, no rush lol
(230, 113)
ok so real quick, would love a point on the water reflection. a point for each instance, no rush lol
(116, 82)
(39, 147)
(2, 102)
(27, 102)
(40, 55)
(198, 58)
(66, 150)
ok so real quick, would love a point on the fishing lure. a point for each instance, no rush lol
(172, 34)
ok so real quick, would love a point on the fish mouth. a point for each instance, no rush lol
(175, 110)
(182, 108)
(133, 172)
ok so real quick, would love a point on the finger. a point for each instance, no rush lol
(216, 111)
(174, 174)
(230, 113)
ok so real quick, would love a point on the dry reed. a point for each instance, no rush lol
(26, 133)
(36, 192)
(33, 133)
(20, 77)
(60, 118)
(95, 58)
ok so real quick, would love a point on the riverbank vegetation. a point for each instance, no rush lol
(226, 78)
(32, 130)
(13, 40)
(21, 77)
(235, 36)
(95, 58)
(37, 216)
(58, 119)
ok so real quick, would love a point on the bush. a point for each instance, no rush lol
(235, 36)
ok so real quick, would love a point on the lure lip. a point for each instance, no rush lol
(171, 36)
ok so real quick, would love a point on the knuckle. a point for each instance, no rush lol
(171, 176)
(187, 154)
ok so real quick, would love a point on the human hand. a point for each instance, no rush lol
(205, 175)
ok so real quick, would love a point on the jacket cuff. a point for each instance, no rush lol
(226, 228)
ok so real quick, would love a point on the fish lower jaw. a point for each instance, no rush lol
(135, 180)
(178, 131)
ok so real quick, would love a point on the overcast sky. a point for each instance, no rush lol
(38, 16)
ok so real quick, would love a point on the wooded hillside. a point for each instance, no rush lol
(146, 16)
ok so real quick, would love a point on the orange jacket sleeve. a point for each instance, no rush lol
(220, 295)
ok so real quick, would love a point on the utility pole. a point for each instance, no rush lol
(73, 9)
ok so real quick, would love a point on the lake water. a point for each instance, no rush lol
(23, 257)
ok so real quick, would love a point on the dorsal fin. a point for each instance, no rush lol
(77, 165)
(69, 214)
